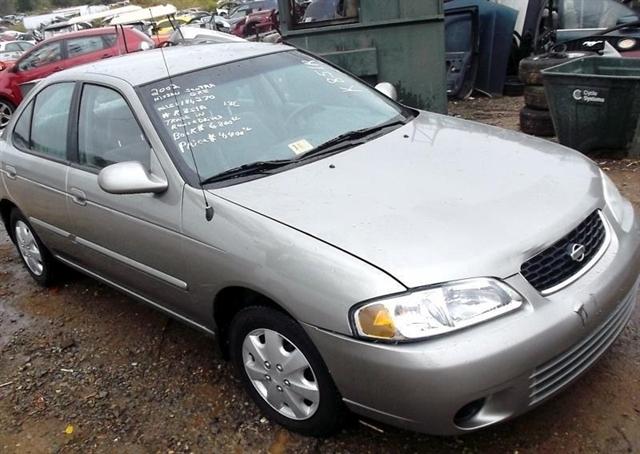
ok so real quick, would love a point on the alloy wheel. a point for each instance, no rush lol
(29, 248)
(5, 114)
(281, 374)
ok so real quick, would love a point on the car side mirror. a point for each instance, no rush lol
(388, 90)
(130, 178)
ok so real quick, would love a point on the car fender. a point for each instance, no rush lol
(313, 281)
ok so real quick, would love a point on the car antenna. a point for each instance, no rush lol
(208, 208)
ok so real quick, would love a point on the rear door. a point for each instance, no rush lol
(35, 165)
(85, 49)
(132, 240)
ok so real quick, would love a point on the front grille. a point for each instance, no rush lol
(555, 374)
(554, 265)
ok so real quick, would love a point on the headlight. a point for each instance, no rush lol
(617, 204)
(436, 310)
(626, 44)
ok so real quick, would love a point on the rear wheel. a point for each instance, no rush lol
(34, 255)
(6, 111)
(284, 373)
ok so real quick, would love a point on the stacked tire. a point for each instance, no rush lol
(535, 118)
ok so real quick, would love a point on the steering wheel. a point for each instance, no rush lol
(308, 107)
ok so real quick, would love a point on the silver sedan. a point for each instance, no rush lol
(348, 252)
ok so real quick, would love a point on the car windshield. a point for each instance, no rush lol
(578, 14)
(279, 106)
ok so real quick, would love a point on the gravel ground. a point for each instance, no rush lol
(85, 369)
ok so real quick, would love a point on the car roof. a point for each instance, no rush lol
(179, 60)
(87, 32)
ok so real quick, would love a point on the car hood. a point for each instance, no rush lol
(435, 200)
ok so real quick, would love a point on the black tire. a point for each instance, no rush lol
(530, 71)
(330, 413)
(535, 97)
(48, 274)
(6, 112)
(536, 122)
(513, 87)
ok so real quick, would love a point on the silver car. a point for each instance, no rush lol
(348, 252)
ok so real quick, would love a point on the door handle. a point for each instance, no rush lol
(11, 172)
(106, 56)
(58, 68)
(78, 196)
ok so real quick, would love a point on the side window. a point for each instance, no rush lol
(326, 11)
(23, 128)
(109, 40)
(108, 132)
(85, 45)
(25, 46)
(47, 54)
(51, 120)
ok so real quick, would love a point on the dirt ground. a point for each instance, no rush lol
(85, 369)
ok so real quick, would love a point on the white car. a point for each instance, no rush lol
(15, 46)
(12, 50)
(191, 35)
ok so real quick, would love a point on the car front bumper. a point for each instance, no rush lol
(504, 367)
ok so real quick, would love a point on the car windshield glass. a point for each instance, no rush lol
(577, 14)
(275, 107)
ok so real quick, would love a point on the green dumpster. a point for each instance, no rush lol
(595, 102)
(396, 41)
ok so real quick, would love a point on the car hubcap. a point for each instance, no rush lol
(5, 114)
(281, 374)
(29, 248)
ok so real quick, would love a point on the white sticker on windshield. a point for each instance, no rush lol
(301, 146)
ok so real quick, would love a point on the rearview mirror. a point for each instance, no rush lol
(388, 90)
(130, 178)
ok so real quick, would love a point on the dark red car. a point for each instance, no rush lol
(62, 52)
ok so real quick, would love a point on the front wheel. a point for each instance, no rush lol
(284, 373)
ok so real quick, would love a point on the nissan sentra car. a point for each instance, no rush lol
(349, 253)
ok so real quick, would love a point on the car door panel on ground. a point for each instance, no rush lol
(36, 168)
(133, 243)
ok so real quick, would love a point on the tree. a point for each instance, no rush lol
(7, 7)
(25, 5)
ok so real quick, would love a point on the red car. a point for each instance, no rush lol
(62, 52)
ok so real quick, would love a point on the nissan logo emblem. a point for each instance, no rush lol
(577, 252)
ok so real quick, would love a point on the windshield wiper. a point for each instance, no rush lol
(253, 168)
(350, 138)
(333, 145)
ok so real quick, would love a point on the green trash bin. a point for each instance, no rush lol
(595, 102)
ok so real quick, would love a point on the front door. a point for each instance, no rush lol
(132, 240)
(40, 63)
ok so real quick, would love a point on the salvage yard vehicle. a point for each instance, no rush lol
(62, 52)
(10, 51)
(347, 251)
